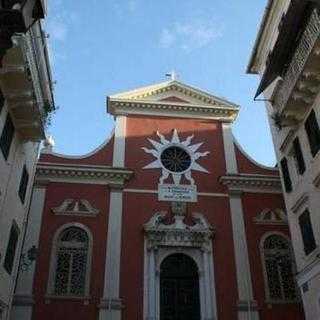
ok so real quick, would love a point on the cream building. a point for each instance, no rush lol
(287, 57)
(26, 101)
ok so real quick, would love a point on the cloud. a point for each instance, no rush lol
(190, 35)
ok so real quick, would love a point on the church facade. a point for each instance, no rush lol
(169, 219)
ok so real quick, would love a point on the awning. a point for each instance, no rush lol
(285, 45)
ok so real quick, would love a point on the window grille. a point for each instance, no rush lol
(6, 137)
(71, 262)
(313, 132)
(23, 184)
(298, 156)
(286, 175)
(11, 248)
(279, 269)
(308, 239)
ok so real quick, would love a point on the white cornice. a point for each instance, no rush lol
(147, 92)
(82, 174)
(225, 113)
(252, 183)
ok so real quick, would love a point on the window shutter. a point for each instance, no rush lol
(309, 242)
(6, 137)
(299, 156)
(23, 184)
(285, 174)
(11, 248)
(1, 100)
(313, 133)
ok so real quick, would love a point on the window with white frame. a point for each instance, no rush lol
(71, 262)
(279, 269)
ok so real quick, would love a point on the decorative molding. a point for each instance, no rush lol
(80, 207)
(172, 109)
(316, 181)
(252, 183)
(271, 217)
(247, 306)
(178, 234)
(189, 150)
(111, 304)
(287, 140)
(23, 300)
(300, 202)
(200, 194)
(173, 86)
(81, 174)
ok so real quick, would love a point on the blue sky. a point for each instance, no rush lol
(110, 46)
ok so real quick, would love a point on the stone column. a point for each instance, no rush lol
(151, 285)
(23, 299)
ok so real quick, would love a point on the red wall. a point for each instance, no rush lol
(137, 210)
(57, 309)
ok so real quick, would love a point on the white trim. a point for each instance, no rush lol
(53, 257)
(172, 85)
(172, 109)
(119, 145)
(83, 156)
(111, 289)
(243, 271)
(229, 152)
(149, 191)
(200, 250)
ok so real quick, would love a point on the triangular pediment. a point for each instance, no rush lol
(172, 99)
(173, 91)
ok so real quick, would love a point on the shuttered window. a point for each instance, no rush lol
(11, 248)
(298, 156)
(309, 242)
(286, 175)
(23, 184)
(1, 104)
(6, 137)
(313, 132)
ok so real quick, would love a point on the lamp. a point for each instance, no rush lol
(28, 258)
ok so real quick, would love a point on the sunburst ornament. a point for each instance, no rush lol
(177, 158)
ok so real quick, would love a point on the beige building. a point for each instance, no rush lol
(26, 101)
(287, 57)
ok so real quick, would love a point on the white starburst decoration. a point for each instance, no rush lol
(177, 158)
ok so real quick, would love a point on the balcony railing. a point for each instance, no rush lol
(25, 81)
(298, 63)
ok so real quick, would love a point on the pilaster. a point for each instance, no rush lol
(246, 305)
(23, 299)
(111, 304)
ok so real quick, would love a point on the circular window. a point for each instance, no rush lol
(175, 159)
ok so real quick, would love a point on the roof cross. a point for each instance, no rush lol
(173, 75)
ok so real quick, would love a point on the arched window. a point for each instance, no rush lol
(279, 268)
(71, 267)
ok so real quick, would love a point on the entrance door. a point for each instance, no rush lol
(179, 289)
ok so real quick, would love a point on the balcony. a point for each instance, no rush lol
(301, 82)
(25, 82)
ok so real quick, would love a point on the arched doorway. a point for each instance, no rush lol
(179, 288)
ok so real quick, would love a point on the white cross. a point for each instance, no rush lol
(173, 75)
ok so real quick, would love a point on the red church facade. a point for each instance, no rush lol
(169, 219)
